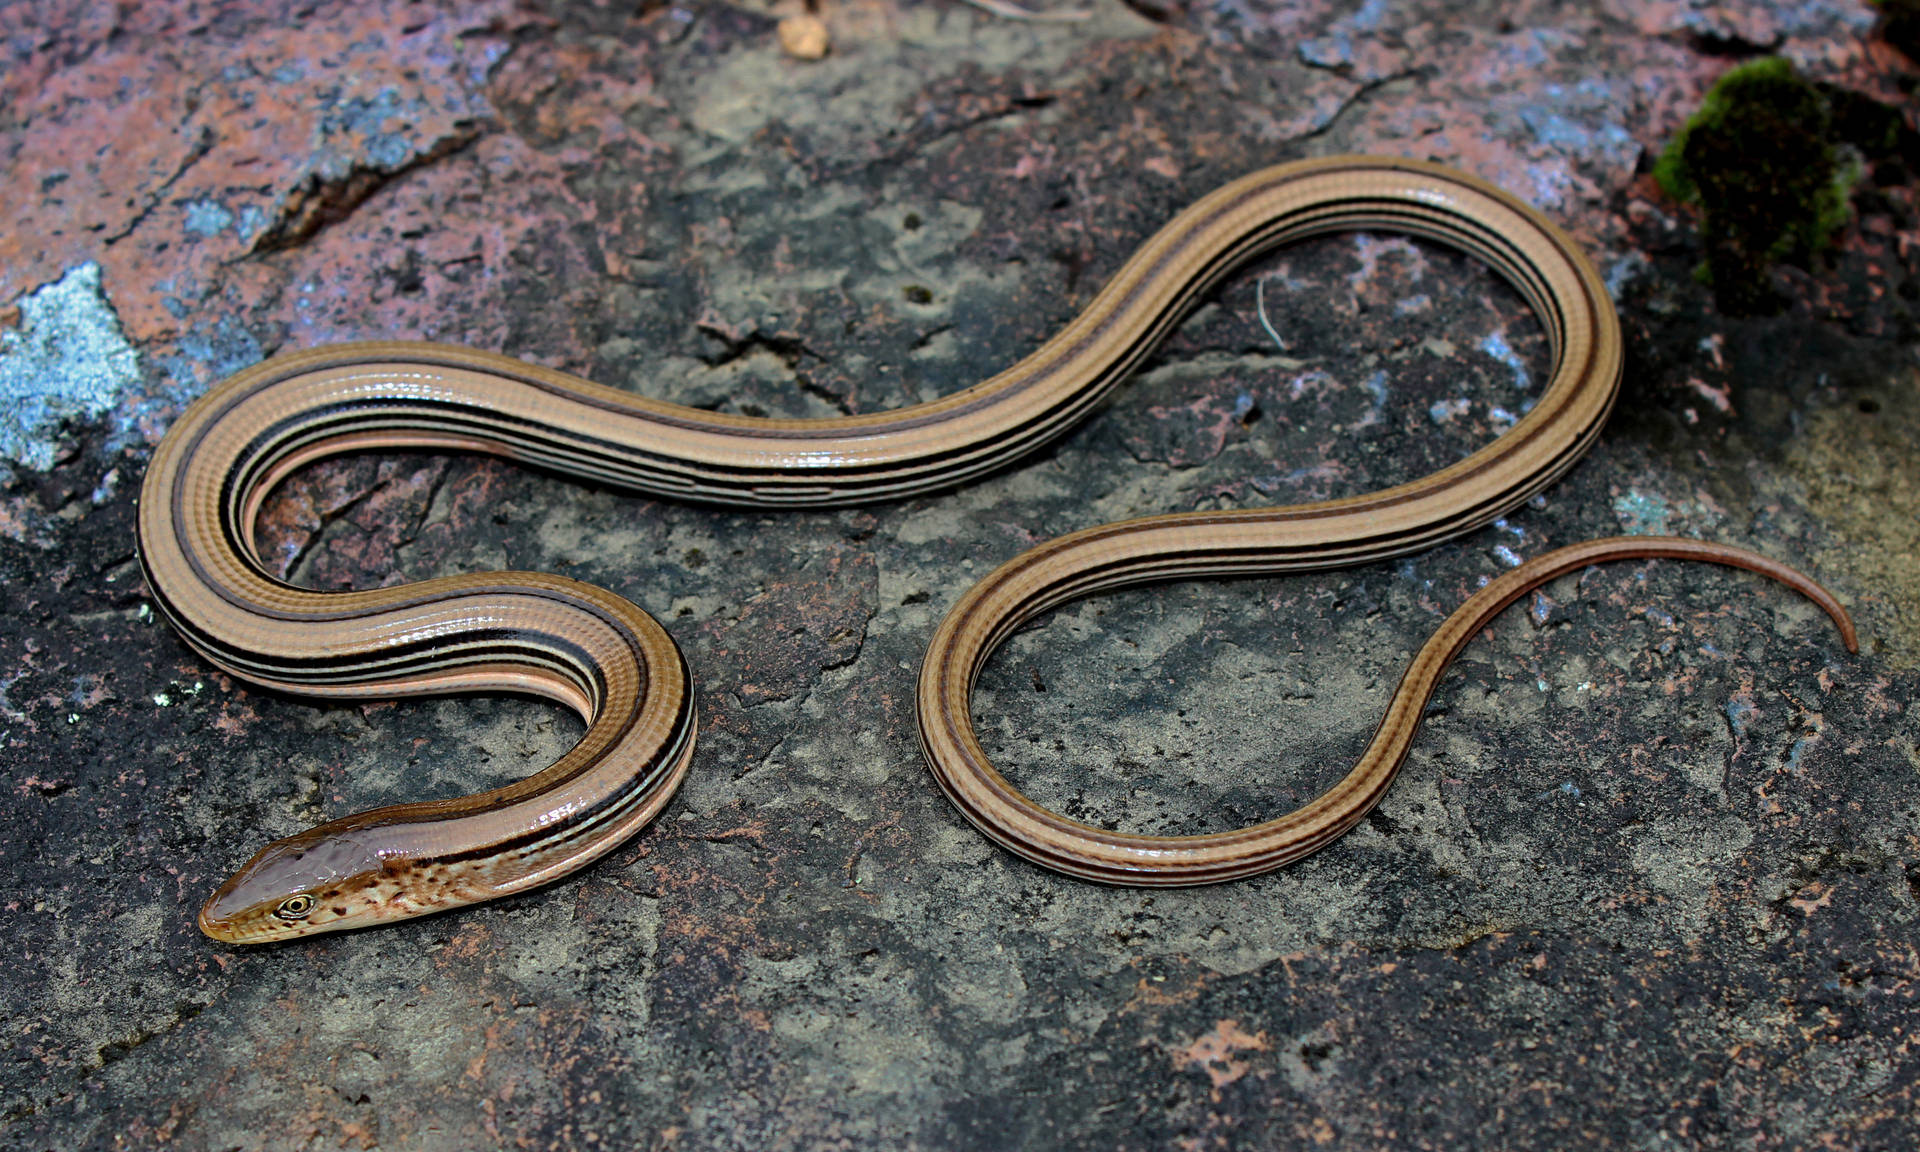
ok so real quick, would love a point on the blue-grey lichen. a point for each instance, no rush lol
(207, 217)
(1643, 513)
(1495, 345)
(67, 360)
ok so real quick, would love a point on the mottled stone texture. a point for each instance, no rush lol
(1651, 878)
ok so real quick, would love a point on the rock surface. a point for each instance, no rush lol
(1651, 877)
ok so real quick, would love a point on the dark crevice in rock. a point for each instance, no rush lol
(790, 350)
(320, 200)
(1172, 12)
(823, 394)
(115, 1050)
(1359, 96)
(1729, 45)
(202, 145)
(296, 570)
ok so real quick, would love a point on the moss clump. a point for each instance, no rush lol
(1760, 160)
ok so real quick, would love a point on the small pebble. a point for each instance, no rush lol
(803, 37)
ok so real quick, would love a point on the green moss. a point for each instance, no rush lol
(1761, 160)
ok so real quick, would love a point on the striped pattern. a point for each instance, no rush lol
(1046, 838)
(608, 660)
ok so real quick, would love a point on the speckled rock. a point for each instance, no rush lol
(1651, 878)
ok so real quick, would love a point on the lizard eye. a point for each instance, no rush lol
(295, 907)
